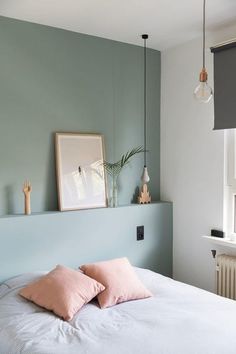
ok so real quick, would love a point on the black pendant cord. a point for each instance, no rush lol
(204, 35)
(145, 37)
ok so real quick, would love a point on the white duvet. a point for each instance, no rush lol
(179, 319)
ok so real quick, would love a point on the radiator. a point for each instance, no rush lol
(226, 276)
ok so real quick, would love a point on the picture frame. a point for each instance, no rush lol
(81, 179)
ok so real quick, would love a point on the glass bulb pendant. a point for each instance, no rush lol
(203, 92)
(145, 176)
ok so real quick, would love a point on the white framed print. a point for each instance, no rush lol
(81, 180)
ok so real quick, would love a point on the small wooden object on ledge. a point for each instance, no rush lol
(27, 190)
(144, 197)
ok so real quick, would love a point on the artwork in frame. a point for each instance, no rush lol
(81, 177)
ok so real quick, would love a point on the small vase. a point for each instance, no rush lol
(114, 193)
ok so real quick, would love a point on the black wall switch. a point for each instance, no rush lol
(217, 233)
(140, 233)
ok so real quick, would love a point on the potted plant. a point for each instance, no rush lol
(114, 169)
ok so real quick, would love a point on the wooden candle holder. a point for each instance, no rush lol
(144, 197)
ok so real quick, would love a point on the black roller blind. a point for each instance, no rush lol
(225, 86)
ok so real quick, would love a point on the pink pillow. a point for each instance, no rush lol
(119, 279)
(63, 291)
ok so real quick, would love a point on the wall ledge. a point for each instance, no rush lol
(91, 210)
(43, 240)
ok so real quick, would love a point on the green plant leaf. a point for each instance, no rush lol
(114, 169)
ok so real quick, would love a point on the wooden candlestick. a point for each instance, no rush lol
(144, 197)
(27, 190)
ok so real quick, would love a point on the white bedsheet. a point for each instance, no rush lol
(179, 319)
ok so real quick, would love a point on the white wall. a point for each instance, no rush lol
(192, 159)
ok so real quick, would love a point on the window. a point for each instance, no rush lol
(230, 183)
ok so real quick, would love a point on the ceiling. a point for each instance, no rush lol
(168, 22)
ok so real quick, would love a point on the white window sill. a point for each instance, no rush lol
(226, 242)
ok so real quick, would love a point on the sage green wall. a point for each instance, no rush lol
(55, 80)
(40, 241)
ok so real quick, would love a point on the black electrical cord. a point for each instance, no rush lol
(145, 37)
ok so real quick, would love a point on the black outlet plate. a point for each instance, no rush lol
(140, 233)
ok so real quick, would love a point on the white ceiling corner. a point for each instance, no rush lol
(168, 22)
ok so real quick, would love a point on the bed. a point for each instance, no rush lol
(178, 319)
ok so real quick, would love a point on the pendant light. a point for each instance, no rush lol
(203, 92)
(144, 195)
(145, 176)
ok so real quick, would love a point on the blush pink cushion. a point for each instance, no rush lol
(119, 279)
(63, 291)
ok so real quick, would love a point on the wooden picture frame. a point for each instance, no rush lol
(81, 180)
